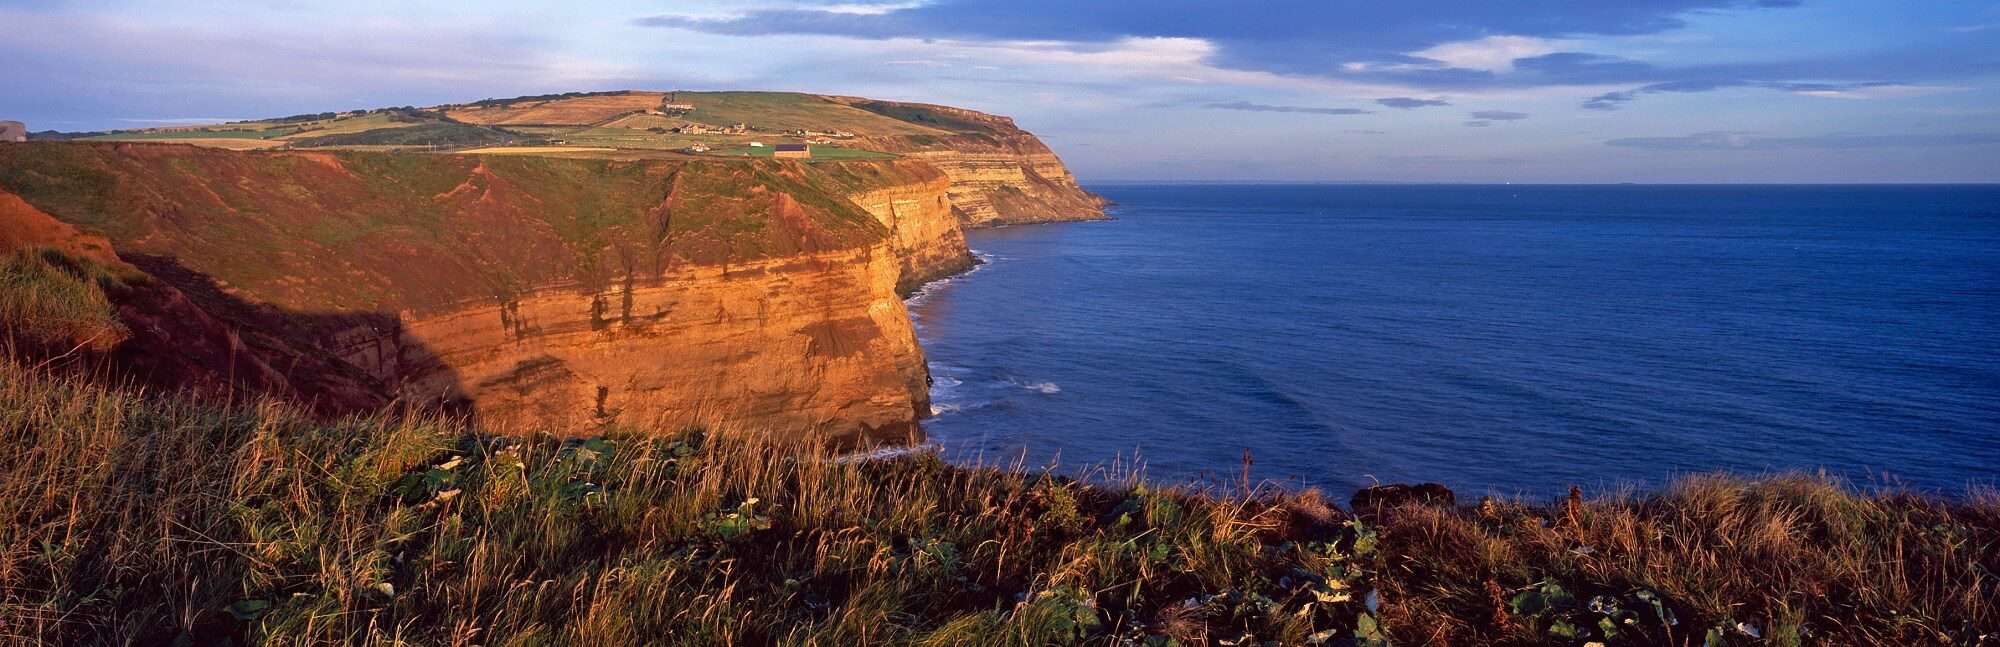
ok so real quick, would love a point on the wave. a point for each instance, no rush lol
(1048, 388)
(925, 291)
(886, 453)
(947, 408)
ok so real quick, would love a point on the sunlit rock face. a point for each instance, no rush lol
(999, 174)
(917, 209)
(542, 293)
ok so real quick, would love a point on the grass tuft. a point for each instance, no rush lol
(50, 299)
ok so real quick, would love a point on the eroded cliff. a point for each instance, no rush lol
(1000, 174)
(913, 200)
(538, 292)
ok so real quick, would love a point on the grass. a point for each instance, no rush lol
(579, 109)
(819, 153)
(350, 124)
(134, 519)
(532, 150)
(217, 132)
(429, 134)
(781, 111)
(50, 299)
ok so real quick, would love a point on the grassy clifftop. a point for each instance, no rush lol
(389, 232)
(637, 120)
(128, 519)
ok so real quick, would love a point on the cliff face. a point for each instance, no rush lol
(1000, 174)
(557, 293)
(913, 200)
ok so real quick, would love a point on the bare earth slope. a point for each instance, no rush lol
(561, 293)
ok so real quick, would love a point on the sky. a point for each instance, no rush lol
(1159, 90)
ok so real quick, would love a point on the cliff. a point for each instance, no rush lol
(913, 200)
(1000, 174)
(559, 293)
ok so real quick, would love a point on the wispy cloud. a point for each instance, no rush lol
(1499, 115)
(1854, 90)
(1450, 42)
(1407, 103)
(1449, 159)
(1742, 141)
(1261, 107)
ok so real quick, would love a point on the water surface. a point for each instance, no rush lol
(1494, 338)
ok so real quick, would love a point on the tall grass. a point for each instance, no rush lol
(48, 298)
(128, 518)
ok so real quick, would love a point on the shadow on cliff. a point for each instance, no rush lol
(191, 334)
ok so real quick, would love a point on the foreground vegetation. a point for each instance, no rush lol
(131, 519)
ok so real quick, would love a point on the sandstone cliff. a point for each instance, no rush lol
(557, 293)
(1000, 174)
(913, 200)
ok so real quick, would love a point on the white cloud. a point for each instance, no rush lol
(869, 8)
(1491, 54)
(1878, 92)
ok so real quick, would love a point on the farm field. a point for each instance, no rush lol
(829, 153)
(592, 123)
(580, 110)
(789, 111)
(203, 133)
(534, 150)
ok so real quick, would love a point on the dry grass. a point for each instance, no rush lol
(1785, 560)
(226, 143)
(51, 301)
(127, 519)
(581, 110)
(533, 150)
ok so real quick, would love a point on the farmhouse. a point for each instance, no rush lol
(697, 148)
(692, 129)
(13, 131)
(792, 151)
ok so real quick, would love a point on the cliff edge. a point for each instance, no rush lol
(564, 294)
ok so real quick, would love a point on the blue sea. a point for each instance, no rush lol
(1497, 339)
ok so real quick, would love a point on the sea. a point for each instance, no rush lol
(1508, 340)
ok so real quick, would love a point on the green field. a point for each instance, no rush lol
(789, 111)
(819, 153)
(219, 133)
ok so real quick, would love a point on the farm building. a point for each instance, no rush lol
(697, 148)
(13, 131)
(792, 151)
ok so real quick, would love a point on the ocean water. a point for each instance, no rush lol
(1508, 339)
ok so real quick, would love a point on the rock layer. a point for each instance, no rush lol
(554, 294)
(918, 210)
(1000, 174)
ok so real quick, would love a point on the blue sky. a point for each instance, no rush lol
(1280, 90)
